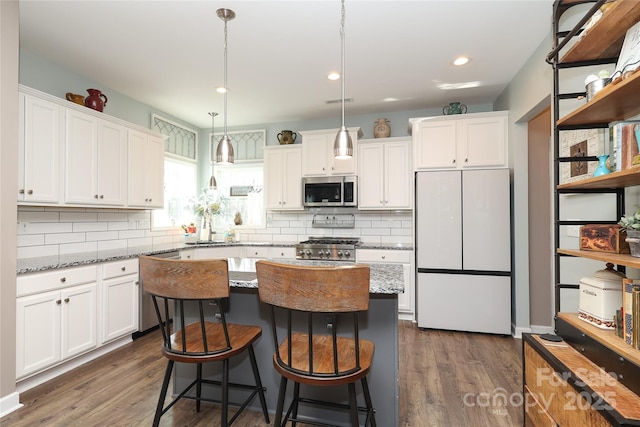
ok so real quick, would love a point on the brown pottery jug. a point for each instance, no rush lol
(96, 100)
(78, 99)
(287, 137)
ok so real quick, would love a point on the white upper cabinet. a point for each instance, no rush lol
(146, 170)
(460, 141)
(283, 177)
(39, 151)
(96, 160)
(317, 153)
(384, 174)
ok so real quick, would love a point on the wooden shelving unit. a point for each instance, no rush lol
(586, 346)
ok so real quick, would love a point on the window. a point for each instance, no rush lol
(240, 187)
(180, 174)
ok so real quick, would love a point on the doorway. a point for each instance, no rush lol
(540, 223)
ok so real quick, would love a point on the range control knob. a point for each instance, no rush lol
(340, 254)
(347, 254)
(308, 252)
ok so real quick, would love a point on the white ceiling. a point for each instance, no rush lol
(169, 54)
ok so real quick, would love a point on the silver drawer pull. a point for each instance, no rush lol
(63, 279)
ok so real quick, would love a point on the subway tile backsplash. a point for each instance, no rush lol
(44, 231)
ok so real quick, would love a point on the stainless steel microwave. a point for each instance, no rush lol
(330, 191)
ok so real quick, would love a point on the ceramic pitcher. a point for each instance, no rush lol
(96, 100)
(78, 99)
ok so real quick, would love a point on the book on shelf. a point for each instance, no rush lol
(623, 145)
(630, 311)
(635, 327)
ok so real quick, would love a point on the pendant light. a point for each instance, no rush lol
(224, 152)
(213, 185)
(343, 145)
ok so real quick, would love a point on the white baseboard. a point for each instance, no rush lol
(9, 403)
(518, 331)
(406, 316)
(49, 374)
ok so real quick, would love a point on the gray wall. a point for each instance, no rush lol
(8, 185)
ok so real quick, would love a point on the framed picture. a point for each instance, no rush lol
(240, 190)
(580, 143)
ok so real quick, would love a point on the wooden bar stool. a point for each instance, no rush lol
(193, 285)
(336, 356)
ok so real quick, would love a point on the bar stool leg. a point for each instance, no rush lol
(225, 393)
(296, 398)
(367, 399)
(256, 376)
(353, 405)
(163, 393)
(198, 385)
(283, 389)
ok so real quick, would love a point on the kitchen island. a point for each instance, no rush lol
(379, 324)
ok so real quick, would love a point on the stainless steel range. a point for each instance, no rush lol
(328, 248)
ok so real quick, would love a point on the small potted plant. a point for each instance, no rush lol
(631, 225)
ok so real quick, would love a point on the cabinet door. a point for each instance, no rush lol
(405, 299)
(371, 189)
(486, 214)
(112, 164)
(137, 150)
(314, 155)
(81, 156)
(435, 145)
(397, 174)
(273, 177)
(438, 220)
(39, 167)
(482, 142)
(155, 171)
(37, 332)
(120, 307)
(78, 320)
(292, 179)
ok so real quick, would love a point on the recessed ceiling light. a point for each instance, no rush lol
(334, 76)
(221, 89)
(452, 86)
(390, 100)
(461, 60)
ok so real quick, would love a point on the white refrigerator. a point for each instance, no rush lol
(463, 250)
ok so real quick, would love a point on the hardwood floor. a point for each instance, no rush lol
(446, 379)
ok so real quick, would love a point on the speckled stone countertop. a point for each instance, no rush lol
(385, 278)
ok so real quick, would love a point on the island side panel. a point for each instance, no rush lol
(379, 324)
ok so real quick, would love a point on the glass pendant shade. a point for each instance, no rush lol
(224, 152)
(213, 185)
(343, 145)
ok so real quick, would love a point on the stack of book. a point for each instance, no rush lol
(628, 317)
(623, 145)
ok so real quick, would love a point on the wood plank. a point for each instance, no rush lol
(618, 259)
(604, 39)
(617, 101)
(626, 178)
(436, 369)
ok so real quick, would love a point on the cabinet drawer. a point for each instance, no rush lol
(535, 414)
(378, 255)
(282, 253)
(120, 268)
(28, 284)
(566, 405)
(258, 252)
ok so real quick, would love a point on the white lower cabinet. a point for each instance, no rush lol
(120, 295)
(56, 318)
(406, 302)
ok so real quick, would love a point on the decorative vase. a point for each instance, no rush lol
(633, 239)
(454, 108)
(602, 168)
(96, 100)
(381, 128)
(237, 220)
(287, 137)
